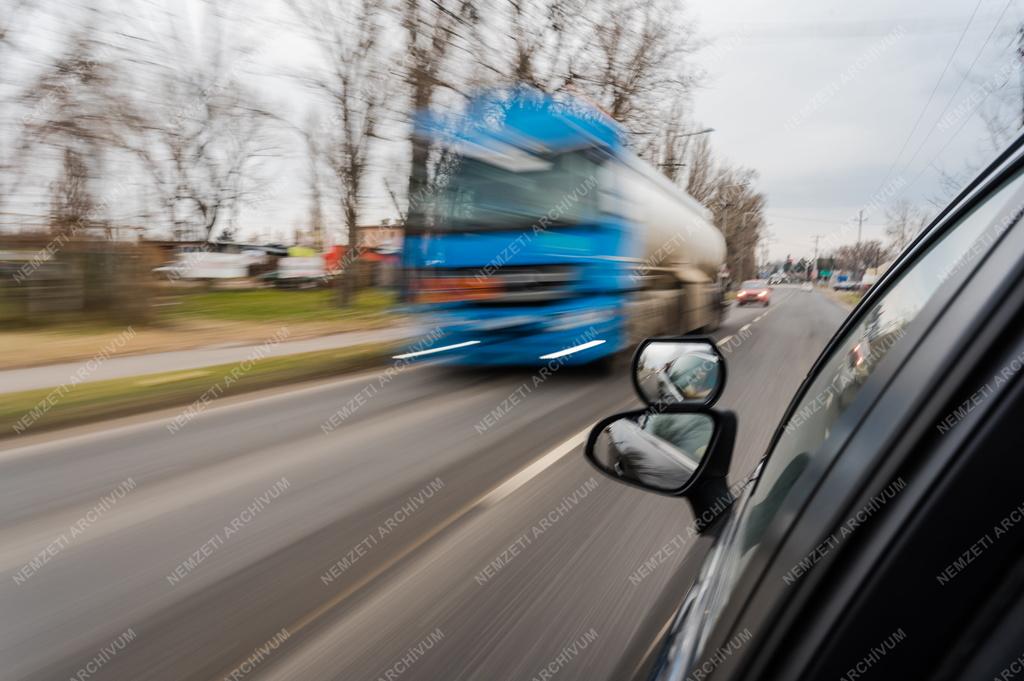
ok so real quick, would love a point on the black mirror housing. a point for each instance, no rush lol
(618, 442)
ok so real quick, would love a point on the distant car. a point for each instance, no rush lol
(754, 291)
(278, 279)
(844, 282)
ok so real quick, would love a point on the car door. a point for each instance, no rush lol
(869, 403)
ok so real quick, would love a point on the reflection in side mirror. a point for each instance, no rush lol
(661, 452)
(678, 371)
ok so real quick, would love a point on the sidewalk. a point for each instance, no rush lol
(16, 380)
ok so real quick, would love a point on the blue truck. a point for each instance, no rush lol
(550, 240)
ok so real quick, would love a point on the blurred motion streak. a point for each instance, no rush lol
(412, 655)
(44, 405)
(657, 559)
(548, 224)
(74, 531)
(546, 522)
(105, 655)
(258, 655)
(218, 539)
(218, 388)
(384, 529)
(566, 655)
(371, 389)
(553, 364)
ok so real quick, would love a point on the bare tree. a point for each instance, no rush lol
(316, 215)
(866, 254)
(348, 35)
(639, 59)
(1002, 104)
(669, 147)
(737, 208)
(903, 220)
(13, 145)
(700, 180)
(67, 112)
(71, 204)
(738, 211)
(549, 40)
(432, 30)
(197, 131)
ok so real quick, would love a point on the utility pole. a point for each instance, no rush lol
(860, 225)
(813, 271)
(764, 239)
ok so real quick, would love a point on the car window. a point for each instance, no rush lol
(755, 283)
(842, 374)
(856, 356)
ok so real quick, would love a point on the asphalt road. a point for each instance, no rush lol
(446, 527)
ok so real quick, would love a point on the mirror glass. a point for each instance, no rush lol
(658, 451)
(674, 372)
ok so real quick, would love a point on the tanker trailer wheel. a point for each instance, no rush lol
(716, 318)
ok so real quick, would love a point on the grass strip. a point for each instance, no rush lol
(42, 409)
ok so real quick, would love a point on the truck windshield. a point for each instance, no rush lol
(484, 196)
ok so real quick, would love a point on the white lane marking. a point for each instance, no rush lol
(534, 469)
(723, 341)
(744, 328)
(569, 351)
(488, 498)
(420, 353)
(760, 317)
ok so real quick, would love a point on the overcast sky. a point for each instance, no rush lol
(819, 98)
(838, 107)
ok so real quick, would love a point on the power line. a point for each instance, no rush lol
(935, 89)
(961, 84)
(819, 30)
(967, 118)
(805, 218)
(809, 218)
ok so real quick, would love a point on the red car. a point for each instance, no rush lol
(754, 291)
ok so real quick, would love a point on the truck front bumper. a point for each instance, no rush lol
(566, 334)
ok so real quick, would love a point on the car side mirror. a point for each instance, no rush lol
(684, 370)
(678, 450)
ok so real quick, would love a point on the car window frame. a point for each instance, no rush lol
(991, 298)
(987, 183)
